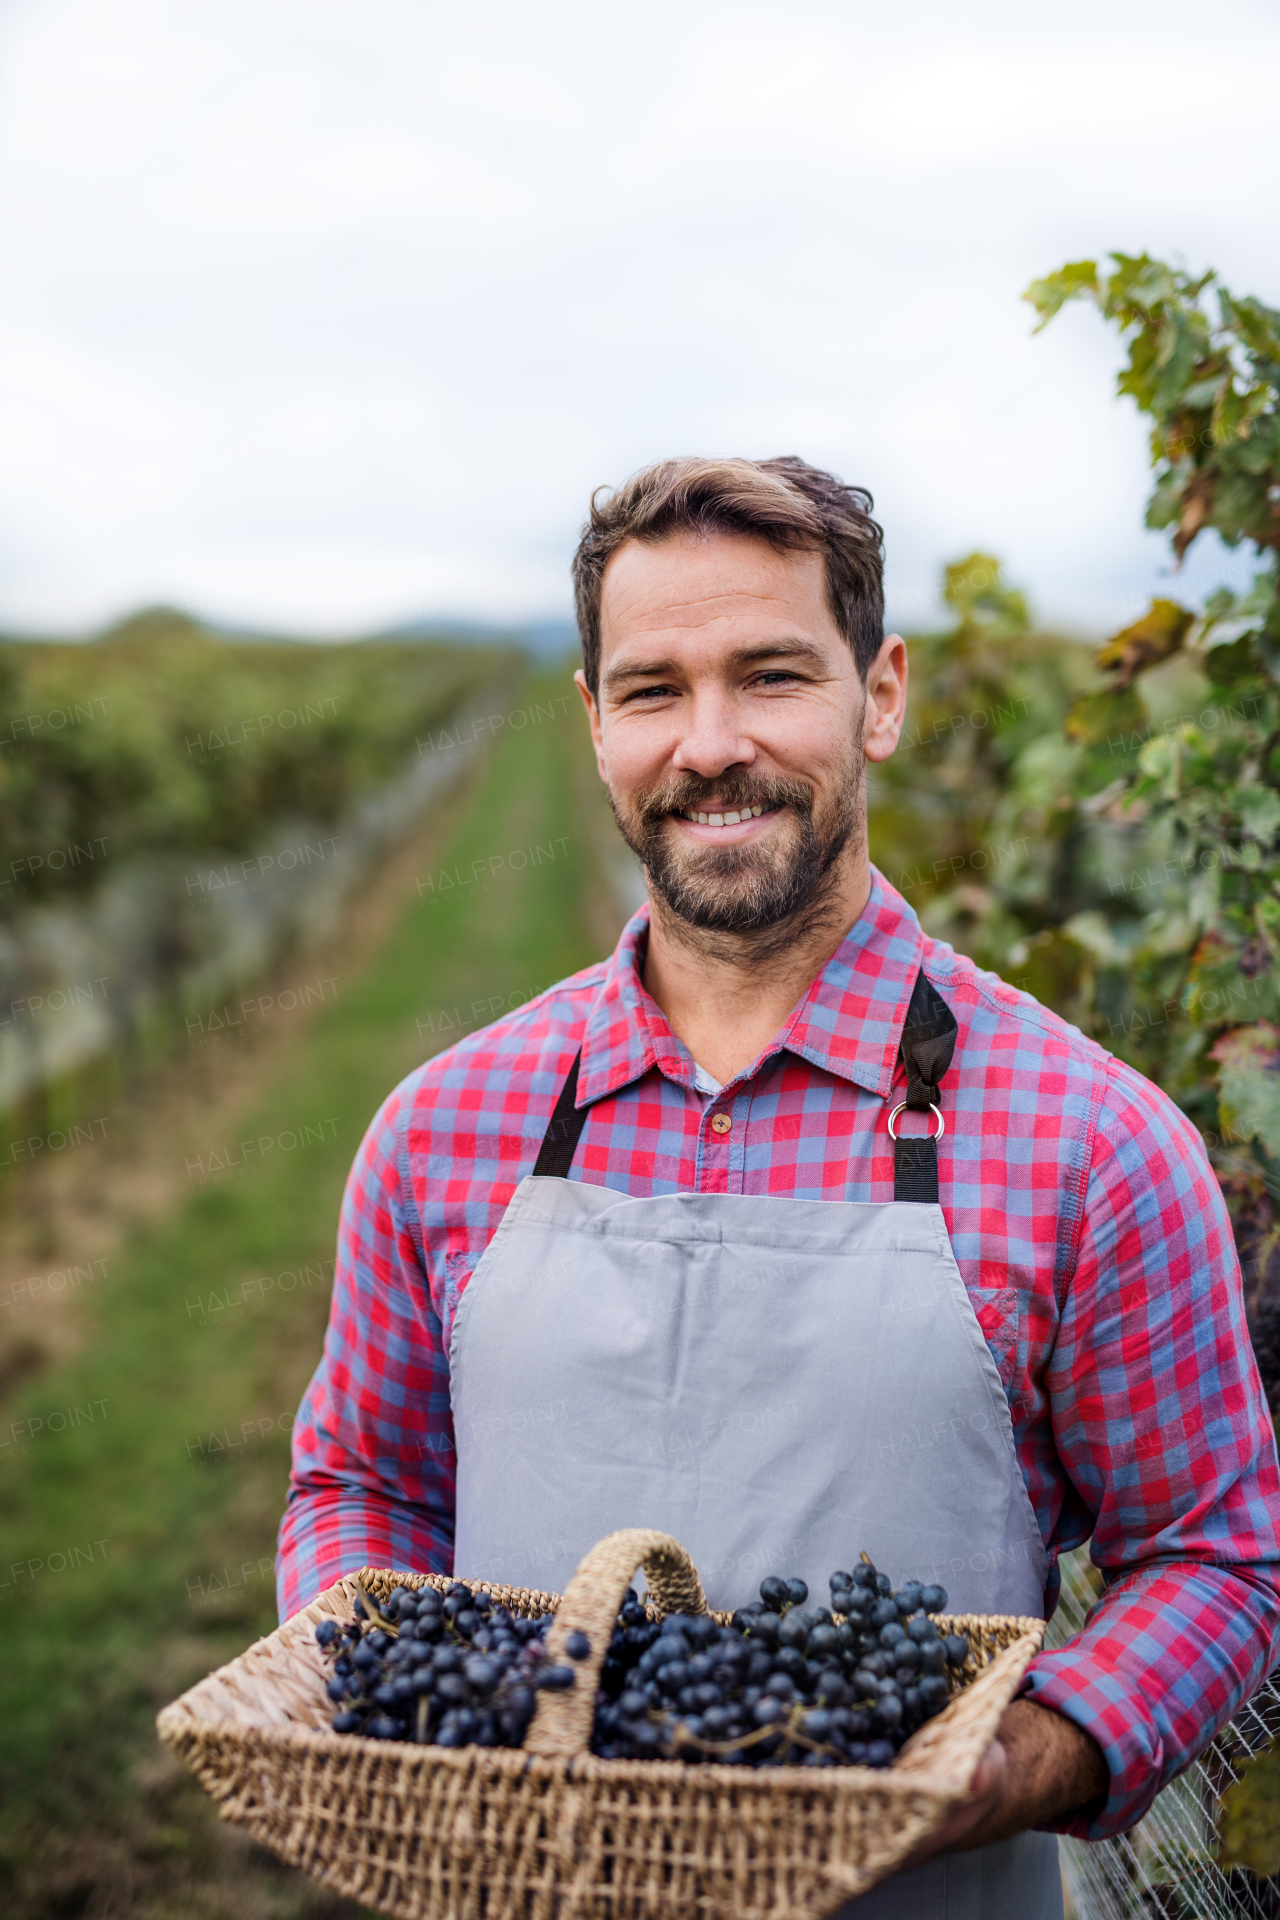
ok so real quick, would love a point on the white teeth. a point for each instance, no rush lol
(725, 819)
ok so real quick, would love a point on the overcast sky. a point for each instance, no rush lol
(327, 314)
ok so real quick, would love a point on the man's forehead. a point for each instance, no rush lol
(707, 584)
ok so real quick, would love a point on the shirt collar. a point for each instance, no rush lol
(849, 1023)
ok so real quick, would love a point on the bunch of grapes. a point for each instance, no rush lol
(449, 1669)
(782, 1684)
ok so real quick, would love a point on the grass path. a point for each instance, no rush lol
(155, 1518)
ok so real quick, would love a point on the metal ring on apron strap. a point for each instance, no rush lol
(902, 1107)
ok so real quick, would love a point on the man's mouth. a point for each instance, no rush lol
(730, 817)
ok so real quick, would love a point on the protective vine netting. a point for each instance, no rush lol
(1167, 1867)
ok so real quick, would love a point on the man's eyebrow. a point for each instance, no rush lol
(803, 650)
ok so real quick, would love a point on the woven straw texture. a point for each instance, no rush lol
(548, 1832)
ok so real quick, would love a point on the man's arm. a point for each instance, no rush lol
(373, 1460)
(1159, 1421)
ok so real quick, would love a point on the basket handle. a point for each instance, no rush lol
(561, 1725)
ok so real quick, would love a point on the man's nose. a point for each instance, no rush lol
(712, 741)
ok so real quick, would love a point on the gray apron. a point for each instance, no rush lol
(780, 1384)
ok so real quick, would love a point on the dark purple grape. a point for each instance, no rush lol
(557, 1679)
(933, 1690)
(481, 1675)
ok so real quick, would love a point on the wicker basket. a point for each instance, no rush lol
(549, 1832)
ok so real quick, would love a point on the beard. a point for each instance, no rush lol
(754, 887)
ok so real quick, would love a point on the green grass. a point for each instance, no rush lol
(94, 1823)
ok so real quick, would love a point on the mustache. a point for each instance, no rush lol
(690, 793)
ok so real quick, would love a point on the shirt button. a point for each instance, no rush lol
(721, 1123)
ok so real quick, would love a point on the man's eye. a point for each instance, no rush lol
(648, 693)
(776, 677)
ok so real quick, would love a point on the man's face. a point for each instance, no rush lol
(730, 726)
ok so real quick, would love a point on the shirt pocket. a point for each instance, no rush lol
(997, 1311)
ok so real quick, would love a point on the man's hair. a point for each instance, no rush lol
(795, 507)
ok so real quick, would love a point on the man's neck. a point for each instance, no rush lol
(725, 996)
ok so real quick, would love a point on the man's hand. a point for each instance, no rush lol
(1040, 1767)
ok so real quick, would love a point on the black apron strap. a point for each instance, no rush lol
(564, 1129)
(928, 1042)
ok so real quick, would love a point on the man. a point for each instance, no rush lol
(646, 1252)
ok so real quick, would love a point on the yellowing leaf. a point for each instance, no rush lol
(1160, 632)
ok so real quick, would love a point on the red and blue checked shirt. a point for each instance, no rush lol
(1086, 1221)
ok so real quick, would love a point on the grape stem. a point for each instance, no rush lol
(375, 1613)
(790, 1732)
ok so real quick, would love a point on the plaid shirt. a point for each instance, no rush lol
(1086, 1221)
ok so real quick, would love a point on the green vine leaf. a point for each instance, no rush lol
(1249, 1818)
(1094, 719)
(1249, 1083)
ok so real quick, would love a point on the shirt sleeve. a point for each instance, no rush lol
(372, 1482)
(1160, 1423)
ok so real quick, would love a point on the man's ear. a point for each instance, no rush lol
(886, 704)
(593, 721)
